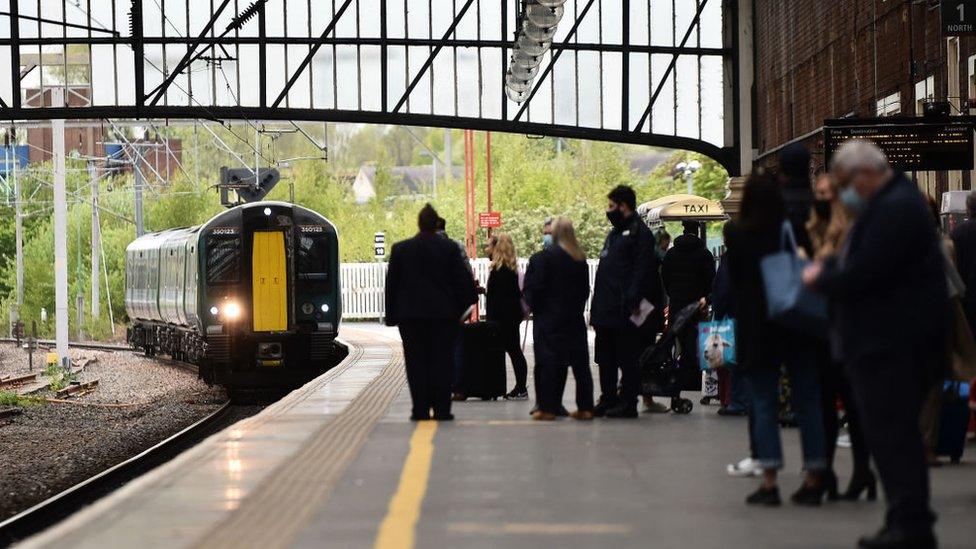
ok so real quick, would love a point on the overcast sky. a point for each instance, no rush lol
(317, 88)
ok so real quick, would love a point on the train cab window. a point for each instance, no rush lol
(313, 257)
(223, 259)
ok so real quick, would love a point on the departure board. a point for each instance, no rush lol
(911, 147)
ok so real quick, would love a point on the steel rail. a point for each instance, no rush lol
(60, 506)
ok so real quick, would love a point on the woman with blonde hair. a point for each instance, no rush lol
(504, 303)
(557, 285)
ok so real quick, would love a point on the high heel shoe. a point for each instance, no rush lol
(830, 485)
(860, 483)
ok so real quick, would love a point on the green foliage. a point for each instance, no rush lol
(532, 180)
(10, 398)
(59, 377)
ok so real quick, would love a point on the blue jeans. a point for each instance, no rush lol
(763, 384)
(739, 397)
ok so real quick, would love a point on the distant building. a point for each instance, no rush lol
(644, 163)
(408, 180)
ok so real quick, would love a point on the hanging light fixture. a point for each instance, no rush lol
(551, 3)
(533, 47)
(543, 16)
(517, 84)
(518, 97)
(540, 34)
(526, 59)
(521, 72)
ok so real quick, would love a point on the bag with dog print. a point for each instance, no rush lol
(716, 344)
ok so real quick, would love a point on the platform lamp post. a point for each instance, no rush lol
(688, 169)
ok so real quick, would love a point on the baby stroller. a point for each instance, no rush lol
(661, 373)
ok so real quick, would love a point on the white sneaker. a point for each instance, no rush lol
(745, 468)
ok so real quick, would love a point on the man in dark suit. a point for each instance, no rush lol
(964, 239)
(890, 316)
(428, 288)
(622, 282)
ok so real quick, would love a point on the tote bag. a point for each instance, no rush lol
(789, 303)
(716, 344)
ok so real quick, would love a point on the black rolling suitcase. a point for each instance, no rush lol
(954, 421)
(482, 361)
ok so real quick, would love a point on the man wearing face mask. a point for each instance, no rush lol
(890, 315)
(547, 233)
(623, 279)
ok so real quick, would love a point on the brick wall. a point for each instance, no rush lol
(820, 59)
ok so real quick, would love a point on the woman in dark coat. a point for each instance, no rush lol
(503, 299)
(557, 285)
(763, 346)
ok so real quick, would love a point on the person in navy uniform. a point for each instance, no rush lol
(557, 283)
(623, 280)
(428, 289)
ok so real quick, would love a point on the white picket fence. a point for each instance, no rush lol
(363, 283)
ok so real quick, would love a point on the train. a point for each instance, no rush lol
(252, 297)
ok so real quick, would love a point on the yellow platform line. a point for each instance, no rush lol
(399, 528)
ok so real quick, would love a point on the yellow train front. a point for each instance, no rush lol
(252, 297)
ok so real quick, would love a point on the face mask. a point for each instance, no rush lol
(822, 207)
(546, 240)
(616, 217)
(852, 200)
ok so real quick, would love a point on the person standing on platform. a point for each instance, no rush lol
(428, 288)
(663, 242)
(504, 306)
(828, 227)
(890, 319)
(688, 271)
(762, 346)
(619, 291)
(556, 287)
(964, 239)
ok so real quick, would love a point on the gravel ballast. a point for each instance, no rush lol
(138, 402)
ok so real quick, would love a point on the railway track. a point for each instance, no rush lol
(78, 345)
(57, 507)
(52, 510)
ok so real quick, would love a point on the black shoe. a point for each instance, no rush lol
(768, 497)
(623, 411)
(563, 412)
(420, 416)
(444, 417)
(601, 408)
(889, 538)
(517, 394)
(861, 483)
(725, 411)
(808, 497)
(830, 485)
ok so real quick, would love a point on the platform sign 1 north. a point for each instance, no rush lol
(958, 17)
(911, 147)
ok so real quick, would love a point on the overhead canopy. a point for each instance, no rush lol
(681, 207)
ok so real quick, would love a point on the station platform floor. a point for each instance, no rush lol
(338, 464)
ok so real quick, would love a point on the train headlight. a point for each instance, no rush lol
(325, 307)
(232, 311)
(267, 211)
(214, 310)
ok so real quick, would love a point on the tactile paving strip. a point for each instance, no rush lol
(275, 512)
